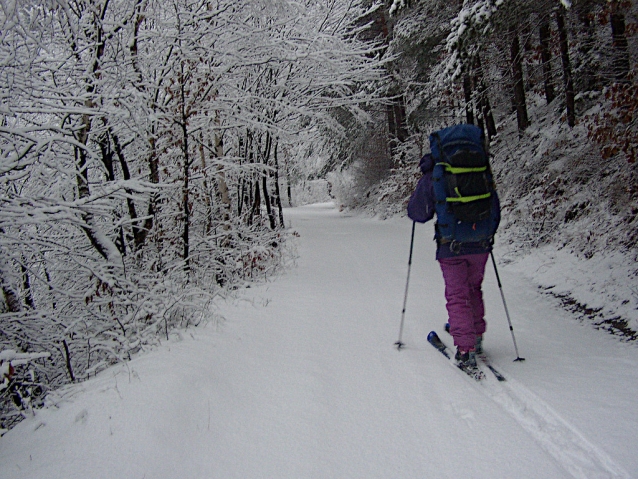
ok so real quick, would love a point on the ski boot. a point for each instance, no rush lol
(466, 359)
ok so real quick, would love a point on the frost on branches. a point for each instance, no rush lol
(144, 147)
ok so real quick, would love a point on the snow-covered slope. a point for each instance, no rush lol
(572, 215)
(301, 380)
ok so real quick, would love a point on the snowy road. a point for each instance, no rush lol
(302, 381)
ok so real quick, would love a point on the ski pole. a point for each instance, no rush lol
(399, 344)
(509, 321)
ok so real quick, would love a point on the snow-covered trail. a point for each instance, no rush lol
(302, 380)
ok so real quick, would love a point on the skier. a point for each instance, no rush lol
(462, 264)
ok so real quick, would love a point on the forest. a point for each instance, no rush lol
(149, 148)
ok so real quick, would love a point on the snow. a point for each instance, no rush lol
(605, 282)
(301, 380)
(560, 217)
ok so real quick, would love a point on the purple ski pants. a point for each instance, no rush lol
(463, 276)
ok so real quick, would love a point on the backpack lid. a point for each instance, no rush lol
(466, 135)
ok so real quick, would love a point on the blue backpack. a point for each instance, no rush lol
(466, 203)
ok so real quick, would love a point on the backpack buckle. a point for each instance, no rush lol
(488, 243)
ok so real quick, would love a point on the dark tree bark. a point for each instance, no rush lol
(256, 203)
(67, 360)
(396, 122)
(84, 192)
(621, 64)
(139, 235)
(101, 243)
(400, 117)
(517, 80)
(288, 182)
(186, 211)
(108, 154)
(588, 77)
(484, 106)
(222, 185)
(568, 78)
(490, 123)
(546, 58)
(264, 183)
(277, 190)
(268, 202)
(467, 93)
(395, 111)
(391, 120)
(26, 285)
(207, 195)
(154, 177)
(11, 298)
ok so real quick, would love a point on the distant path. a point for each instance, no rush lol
(302, 380)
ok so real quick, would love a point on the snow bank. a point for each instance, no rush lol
(569, 219)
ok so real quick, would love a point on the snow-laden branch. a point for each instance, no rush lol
(138, 142)
(10, 359)
(472, 23)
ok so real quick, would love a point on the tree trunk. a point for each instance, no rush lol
(250, 196)
(396, 109)
(107, 155)
(241, 181)
(67, 360)
(568, 79)
(288, 181)
(207, 196)
(396, 124)
(11, 298)
(264, 181)
(102, 244)
(518, 83)
(546, 58)
(400, 117)
(484, 105)
(588, 76)
(621, 63)
(107, 159)
(186, 211)
(140, 233)
(154, 177)
(267, 202)
(256, 209)
(139, 236)
(26, 285)
(467, 92)
(99, 241)
(277, 190)
(221, 174)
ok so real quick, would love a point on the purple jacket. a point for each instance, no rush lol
(421, 210)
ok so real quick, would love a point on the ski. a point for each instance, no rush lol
(435, 341)
(484, 359)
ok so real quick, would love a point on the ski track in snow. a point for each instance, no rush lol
(578, 456)
(302, 382)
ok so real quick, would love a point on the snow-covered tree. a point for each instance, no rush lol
(136, 139)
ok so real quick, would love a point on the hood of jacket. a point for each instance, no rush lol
(427, 163)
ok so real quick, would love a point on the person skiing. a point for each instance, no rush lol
(462, 254)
